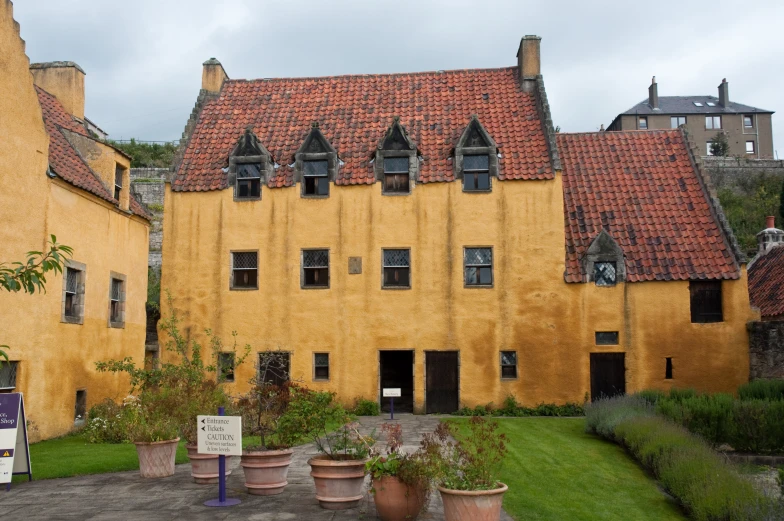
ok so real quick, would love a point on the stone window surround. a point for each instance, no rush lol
(232, 287)
(264, 165)
(119, 276)
(80, 290)
(410, 153)
(516, 364)
(302, 155)
(410, 270)
(302, 284)
(604, 249)
(329, 367)
(491, 151)
(492, 268)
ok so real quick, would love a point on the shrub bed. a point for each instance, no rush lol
(511, 408)
(364, 407)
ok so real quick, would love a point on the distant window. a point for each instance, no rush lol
(316, 178)
(396, 175)
(118, 181)
(748, 122)
(643, 123)
(605, 273)
(476, 173)
(274, 367)
(606, 338)
(710, 104)
(73, 295)
(244, 270)
(709, 145)
(116, 302)
(8, 375)
(697, 104)
(677, 121)
(80, 408)
(508, 364)
(478, 264)
(225, 367)
(248, 181)
(397, 268)
(321, 366)
(668, 369)
(705, 301)
(712, 122)
(749, 147)
(315, 268)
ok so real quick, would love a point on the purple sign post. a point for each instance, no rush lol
(14, 448)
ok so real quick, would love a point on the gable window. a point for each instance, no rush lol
(117, 300)
(248, 184)
(643, 123)
(478, 263)
(315, 178)
(705, 301)
(396, 176)
(605, 273)
(606, 338)
(712, 122)
(8, 376)
(274, 367)
(748, 122)
(668, 369)
(315, 268)
(476, 173)
(118, 181)
(321, 366)
(73, 293)
(508, 364)
(397, 268)
(677, 121)
(245, 270)
(749, 147)
(225, 367)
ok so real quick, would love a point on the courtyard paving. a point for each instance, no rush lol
(124, 495)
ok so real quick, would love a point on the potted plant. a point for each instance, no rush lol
(200, 398)
(469, 469)
(401, 482)
(339, 471)
(154, 434)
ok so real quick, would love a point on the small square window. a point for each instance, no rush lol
(80, 409)
(244, 270)
(643, 123)
(713, 122)
(248, 184)
(315, 178)
(118, 181)
(397, 268)
(705, 300)
(677, 121)
(225, 367)
(748, 122)
(8, 375)
(476, 173)
(508, 364)
(315, 268)
(606, 338)
(321, 366)
(749, 147)
(605, 273)
(668, 369)
(478, 263)
(274, 367)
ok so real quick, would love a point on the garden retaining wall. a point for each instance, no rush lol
(766, 349)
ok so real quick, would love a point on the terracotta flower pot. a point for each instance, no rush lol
(396, 501)
(266, 471)
(156, 459)
(338, 482)
(472, 505)
(204, 467)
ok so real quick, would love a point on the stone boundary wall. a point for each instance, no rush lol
(766, 349)
(148, 185)
(729, 172)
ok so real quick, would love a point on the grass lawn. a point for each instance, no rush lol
(556, 471)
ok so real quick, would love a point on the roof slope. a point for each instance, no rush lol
(642, 187)
(766, 282)
(354, 113)
(64, 159)
(685, 105)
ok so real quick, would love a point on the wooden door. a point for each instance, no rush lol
(441, 384)
(608, 375)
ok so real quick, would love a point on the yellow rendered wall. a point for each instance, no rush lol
(530, 309)
(55, 359)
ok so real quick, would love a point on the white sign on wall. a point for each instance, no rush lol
(391, 393)
(220, 435)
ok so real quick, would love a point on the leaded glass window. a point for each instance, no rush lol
(315, 268)
(606, 338)
(248, 181)
(476, 173)
(397, 268)
(321, 366)
(315, 178)
(604, 273)
(8, 375)
(478, 264)
(508, 364)
(396, 176)
(245, 270)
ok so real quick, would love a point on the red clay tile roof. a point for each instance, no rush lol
(642, 188)
(354, 113)
(766, 282)
(65, 161)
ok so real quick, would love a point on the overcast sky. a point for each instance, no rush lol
(143, 57)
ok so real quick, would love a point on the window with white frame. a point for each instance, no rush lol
(315, 268)
(750, 147)
(244, 270)
(708, 147)
(643, 123)
(713, 122)
(677, 121)
(748, 122)
(478, 263)
(397, 268)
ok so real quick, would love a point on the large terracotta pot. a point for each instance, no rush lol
(204, 467)
(156, 459)
(472, 505)
(396, 501)
(338, 481)
(266, 471)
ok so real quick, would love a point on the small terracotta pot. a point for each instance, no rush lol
(396, 501)
(472, 505)
(266, 471)
(204, 467)
(338, 481)
(156, 459)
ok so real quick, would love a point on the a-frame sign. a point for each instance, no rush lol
(14, 448)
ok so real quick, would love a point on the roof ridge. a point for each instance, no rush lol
(417, 73)
(612, 132)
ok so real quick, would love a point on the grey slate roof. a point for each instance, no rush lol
(676, 105)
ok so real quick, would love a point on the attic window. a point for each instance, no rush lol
(395, 162)
(315, 178)
(118, 181)
(249, 164)
(476, 173)
(697, 104)
(710, 104)
(396, 174)
(476, 158)
(248, 181)
(604, 273)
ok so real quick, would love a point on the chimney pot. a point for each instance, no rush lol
(213, 75)
(724, 93)
(653, 94)
(64, 81)
(528, 61)
(770, 221)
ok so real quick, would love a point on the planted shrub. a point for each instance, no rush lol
(512, 408)
(757, 426)
(762, 389)
(709, 415)
(364, 407)
(652, 396)
(602, 416)
(106, 423)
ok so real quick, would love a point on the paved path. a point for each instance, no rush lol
(125, 496)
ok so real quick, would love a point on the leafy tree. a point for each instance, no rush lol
(746, 207)
(30, 276)
(720, 146)
(148, 155)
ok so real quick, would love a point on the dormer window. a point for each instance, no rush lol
(315, 178)
(476, 158)
(316, 164)
(396, 175)
(248, 181)
(604, 262)
(118, 181)
(249, 165)
(396, 163)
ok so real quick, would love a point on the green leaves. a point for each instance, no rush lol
(30, 276)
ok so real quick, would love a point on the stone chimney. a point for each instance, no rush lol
(769, 237)
(64, 81)
(213, 76)
(653, 94)
(529, 62)
(724, 93)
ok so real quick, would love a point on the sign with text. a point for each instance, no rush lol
(391, 393)
(220, 435)
(14, 450)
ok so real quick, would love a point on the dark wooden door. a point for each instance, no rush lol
(442, 381)
(608, 375)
